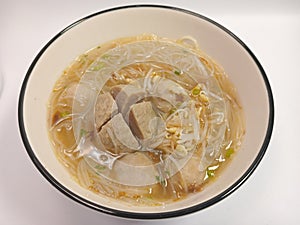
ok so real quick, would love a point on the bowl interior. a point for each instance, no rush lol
(235, 58)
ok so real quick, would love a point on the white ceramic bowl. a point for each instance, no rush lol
(238, 61)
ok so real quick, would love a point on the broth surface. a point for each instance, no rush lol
(145, 119)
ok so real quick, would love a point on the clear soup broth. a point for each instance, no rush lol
(145, 120)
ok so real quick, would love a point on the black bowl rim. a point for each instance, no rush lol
(135, 215)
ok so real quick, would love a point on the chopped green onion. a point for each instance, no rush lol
(229, 152)
(98, 66)
(177, 72)
(105, 56)
(100, 167)
(168, 173)
(172, 110)
(83, 132)
(149, 197)
(83, 58)
(64, 114)
(160, 180)
(157, 178)
(196, 91)
(210, 173)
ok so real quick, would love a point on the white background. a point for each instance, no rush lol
(271, 29)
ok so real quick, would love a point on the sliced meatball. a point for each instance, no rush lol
(117, 137)
(169, 91)
(105, 108)
(135, 169)
(125, 96)
(140, 117)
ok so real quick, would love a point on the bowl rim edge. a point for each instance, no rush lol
(137, 215)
